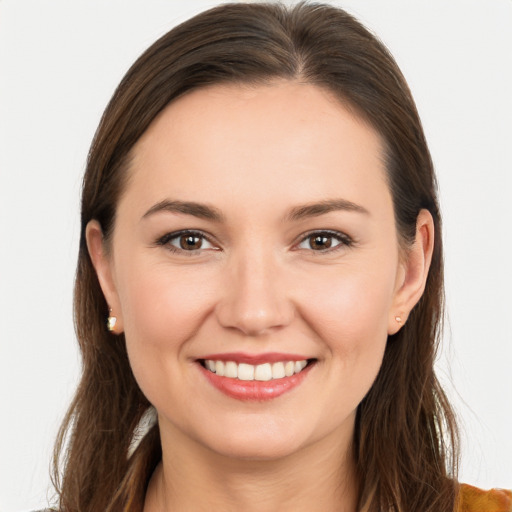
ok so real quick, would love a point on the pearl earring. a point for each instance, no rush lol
(111, 321)
(398, 319)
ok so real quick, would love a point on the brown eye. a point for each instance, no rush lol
(186, 241)
(190, 242)
(324, 241)
(320, 242)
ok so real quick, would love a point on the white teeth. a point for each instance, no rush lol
(245, 371)
(300, 365)
(278, 371)
(260, 372)
(289, 368)
(231, 370)
(263, 372)
(219, 368)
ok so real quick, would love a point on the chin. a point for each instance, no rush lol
(258, 450)
(261, 442)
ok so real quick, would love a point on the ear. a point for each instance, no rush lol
(103, 266)
(413, 272)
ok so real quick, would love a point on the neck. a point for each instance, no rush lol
(320, 476)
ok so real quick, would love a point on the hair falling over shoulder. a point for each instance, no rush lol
(405, 443)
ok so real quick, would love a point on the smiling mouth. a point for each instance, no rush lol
(261, 372)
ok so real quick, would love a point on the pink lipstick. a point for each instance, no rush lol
(255, 377)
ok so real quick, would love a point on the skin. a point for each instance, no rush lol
(258, 285)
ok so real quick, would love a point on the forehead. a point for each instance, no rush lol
(284, 141)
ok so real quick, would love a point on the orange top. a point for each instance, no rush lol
(473, 499)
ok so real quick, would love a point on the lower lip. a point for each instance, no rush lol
(255, 389)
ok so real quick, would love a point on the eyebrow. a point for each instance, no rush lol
(200, 210)
(208, 212)
(323, 207)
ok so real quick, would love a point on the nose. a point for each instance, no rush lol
(255, 300)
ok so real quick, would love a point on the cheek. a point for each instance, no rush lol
(350, 305)
(349, 316)
(163, 308)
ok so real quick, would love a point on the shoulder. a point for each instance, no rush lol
(472, 499)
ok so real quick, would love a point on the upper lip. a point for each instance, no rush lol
(255, 359)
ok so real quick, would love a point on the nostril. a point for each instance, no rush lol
(255, 301)
(253, 319)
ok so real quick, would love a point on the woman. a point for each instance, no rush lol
(261, 262)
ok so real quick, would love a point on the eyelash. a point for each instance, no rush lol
(343, 239)
(167, 238)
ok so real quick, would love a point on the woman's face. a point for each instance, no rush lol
(256, 231)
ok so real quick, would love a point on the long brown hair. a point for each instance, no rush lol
(405, 438)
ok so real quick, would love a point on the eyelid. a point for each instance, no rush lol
(166, 239)
(345, 240)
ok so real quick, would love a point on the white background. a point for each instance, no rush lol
(59, 63)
